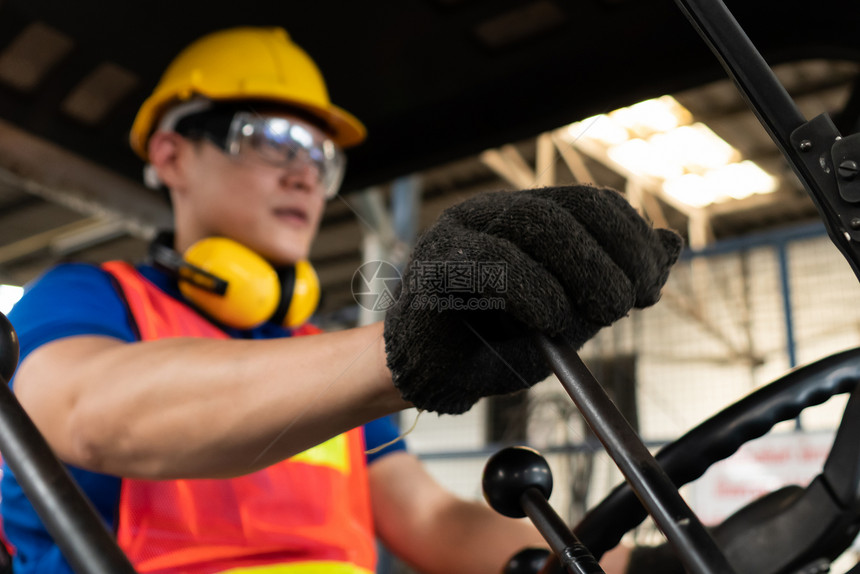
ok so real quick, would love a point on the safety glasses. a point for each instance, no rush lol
(287, 142)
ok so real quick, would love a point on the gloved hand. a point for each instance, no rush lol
(501, 266)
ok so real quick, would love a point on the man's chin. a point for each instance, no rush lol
(286, 251)
(283, 259)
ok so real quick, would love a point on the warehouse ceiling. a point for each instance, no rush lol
(437, 82)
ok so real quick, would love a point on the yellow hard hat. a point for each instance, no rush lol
(245, 63)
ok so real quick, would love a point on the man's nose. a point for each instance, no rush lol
(301, 175)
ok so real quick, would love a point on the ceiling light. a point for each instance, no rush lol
(696, 147)
(692, 189)
(641, 158)
(600, 128)
(657, 140)
(740, 180)
(652, 116)
(733, 181)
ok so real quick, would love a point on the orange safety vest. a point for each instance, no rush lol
(310, 513)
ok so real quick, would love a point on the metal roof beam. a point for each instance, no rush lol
(48, 171)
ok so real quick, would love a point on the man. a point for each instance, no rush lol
(177, 417)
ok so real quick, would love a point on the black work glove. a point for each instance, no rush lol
(501, 266)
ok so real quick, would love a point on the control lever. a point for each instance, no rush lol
(697, 550)
(517, 482)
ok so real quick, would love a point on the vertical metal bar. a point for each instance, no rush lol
(784, 279)
(406, 208)
(696, 549)
(377, 241)
(785, 284)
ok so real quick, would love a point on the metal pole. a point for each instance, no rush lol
(67, 514)
(756, 81)
(567, 547)
(696, 549)
(806, 145)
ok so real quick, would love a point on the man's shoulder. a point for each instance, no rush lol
(70, 272)
(66, 282)
(69, 299)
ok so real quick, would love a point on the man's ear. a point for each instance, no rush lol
(164, 148)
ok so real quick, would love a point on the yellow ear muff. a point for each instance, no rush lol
(305, 296)
(253, 288)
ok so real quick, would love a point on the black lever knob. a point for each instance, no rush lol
(509, 474)
(527, 561)
(8, 348)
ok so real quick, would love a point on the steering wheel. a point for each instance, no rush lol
(782, 531)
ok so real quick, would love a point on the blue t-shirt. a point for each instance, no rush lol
(78, 299)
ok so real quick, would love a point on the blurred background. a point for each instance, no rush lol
(465, 96)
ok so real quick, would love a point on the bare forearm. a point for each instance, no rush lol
(205, 408)
(435, 531)
(476, 539)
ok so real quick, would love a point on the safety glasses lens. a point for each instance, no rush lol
(289, 143)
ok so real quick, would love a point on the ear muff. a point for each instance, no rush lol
(252, 291)
(300, 294)
(237, 287)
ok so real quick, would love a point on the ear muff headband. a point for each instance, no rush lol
(169, 260)
(237, 287)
